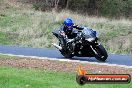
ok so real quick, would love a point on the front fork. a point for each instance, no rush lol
(96, 44)
(96, 53)
(93, 49)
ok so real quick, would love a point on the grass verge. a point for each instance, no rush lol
(7, 57)
(32, 78)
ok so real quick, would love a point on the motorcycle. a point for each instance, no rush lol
(85, 44)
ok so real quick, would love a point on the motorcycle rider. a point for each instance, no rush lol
(66, 29)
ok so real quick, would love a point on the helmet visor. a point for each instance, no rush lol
(69, 27)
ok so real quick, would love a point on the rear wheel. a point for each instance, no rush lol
(66, 54)
(100, 53)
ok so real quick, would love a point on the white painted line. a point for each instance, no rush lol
(68, 60)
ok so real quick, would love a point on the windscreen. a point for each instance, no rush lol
(89, 33)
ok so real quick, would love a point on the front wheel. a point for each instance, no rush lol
(100, 53)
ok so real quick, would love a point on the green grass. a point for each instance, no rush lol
(31, 78)
(4, 39)
(14, 22)
(2, 56)
(26, 27)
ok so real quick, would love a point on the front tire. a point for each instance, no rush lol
(100, 53)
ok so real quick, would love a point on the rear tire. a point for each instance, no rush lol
(66, 54)
(101, 53)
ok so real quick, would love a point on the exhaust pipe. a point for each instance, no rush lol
(57, 46)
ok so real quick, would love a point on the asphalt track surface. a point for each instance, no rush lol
(54, 53)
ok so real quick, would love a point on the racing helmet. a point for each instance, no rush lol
(68, 23)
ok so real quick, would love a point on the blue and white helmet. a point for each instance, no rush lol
(68, 22)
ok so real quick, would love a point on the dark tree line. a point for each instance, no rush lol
(110, 8)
